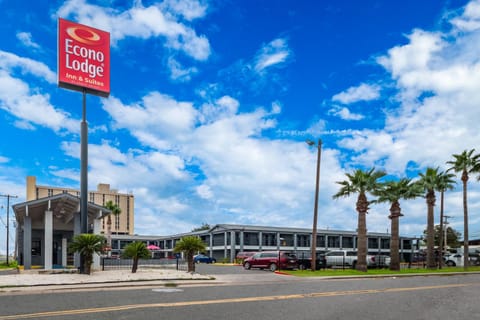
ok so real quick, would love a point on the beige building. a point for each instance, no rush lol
(121, 224)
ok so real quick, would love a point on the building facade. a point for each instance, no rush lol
(224, 241)
(121, 224)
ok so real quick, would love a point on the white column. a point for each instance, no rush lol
(96, 230)
(64, 252)
(48, 240)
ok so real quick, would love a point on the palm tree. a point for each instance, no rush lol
(189, 245)
(392, 192)
(360, 182)
(87, 244)
(466, 163)
(430, 182)
(446, 183)
(136, 250)
(115, 209)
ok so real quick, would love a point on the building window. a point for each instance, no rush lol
(36, 248)
(347, 242)
(320, 241)
(128, 213)
(269, 239)
(250, 239)
(333, 241)
(407, 244)
(92, 197)
(50, 192)
(385, 243)
(286, 240)
(372, 243)
(303, 240)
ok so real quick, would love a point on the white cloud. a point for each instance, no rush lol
(188, 9)
(345, 113)
(272, 54)
(26, 39)
(178, 72)
(31, 108)
(364, 92)
(10, 62)
(470, 19)
(144, 22)
(154, 120)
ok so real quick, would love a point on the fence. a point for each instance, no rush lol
(113, 263)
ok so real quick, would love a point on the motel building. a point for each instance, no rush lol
(224, 241)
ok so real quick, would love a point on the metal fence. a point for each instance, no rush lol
(175, 264)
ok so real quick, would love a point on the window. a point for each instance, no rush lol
(385, 244)
(250, 239)
(320, 241)
(269, 239)
(407, 244)
(373, 243)
(333, 241)
(36, 248)
(347, 242)
(303, 240)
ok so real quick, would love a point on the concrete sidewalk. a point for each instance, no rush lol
(33, 279)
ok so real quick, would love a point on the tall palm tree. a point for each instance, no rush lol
(392, 192)
(430, 181)
(136, 250)
(87, 244)
(360, 182)
(446, 183)
(190, 245)
(115, 209)
(466, 163)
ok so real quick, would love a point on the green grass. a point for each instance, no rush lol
(12, 264)
(386, 272)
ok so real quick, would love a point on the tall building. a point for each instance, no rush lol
(121, 224)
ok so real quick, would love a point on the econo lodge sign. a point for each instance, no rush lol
(83, 58)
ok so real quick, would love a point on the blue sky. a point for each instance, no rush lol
(211, 103)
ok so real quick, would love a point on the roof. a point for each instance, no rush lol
(62, 205)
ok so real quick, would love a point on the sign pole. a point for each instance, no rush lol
(84, 167)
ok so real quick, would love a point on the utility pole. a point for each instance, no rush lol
(8, 196)
(315, 210)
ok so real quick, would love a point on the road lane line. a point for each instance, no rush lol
(222, 301)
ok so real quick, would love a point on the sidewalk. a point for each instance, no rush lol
(35, 280)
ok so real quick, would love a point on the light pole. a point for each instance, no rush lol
(315, 210)
(8, 196)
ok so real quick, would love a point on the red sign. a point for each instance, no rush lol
(83, 58)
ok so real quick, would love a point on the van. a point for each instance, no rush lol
(271, 260)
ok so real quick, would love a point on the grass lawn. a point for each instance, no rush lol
(351, 272)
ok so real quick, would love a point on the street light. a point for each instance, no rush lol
(315, 210)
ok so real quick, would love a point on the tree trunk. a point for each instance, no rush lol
(109, 235)
(431, 264)
(362, 208)
(465, 221)
(190, 263)
(135, 265)
(440, 237)
(395, 214)
(88, 259)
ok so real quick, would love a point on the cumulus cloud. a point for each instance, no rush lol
(345, 114)
(364, 92)
(154, 21)
(26, 39)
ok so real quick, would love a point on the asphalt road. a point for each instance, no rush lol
(261, 295)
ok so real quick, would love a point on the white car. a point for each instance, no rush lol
(456, 260)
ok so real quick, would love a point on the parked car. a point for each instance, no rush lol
(456, 259)
(201, 258)
(344, 258)
(271, 260)
(242, 255)
(304, 260)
